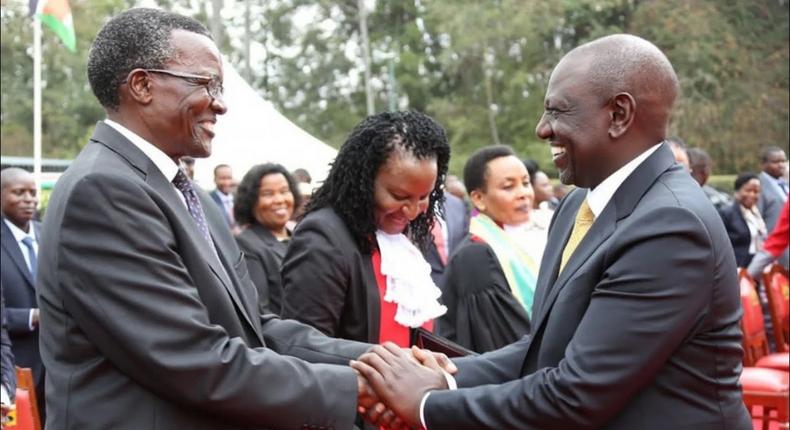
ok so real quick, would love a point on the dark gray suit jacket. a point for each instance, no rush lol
(143, 326)
(20, 296)
(639, 331)
(772, 198)
(264, 255)
(215, 197)
(8, 371)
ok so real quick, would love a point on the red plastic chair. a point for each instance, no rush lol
(755, 342)
(777, 287)
(26, 415)
(767, 388)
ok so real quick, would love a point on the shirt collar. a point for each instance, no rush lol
(225, 197)
(599, 196)
(165, 164)
(18, 233)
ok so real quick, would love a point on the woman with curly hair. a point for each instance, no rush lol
(355, 267)
(264, 203)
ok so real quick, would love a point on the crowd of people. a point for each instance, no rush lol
(277, 303)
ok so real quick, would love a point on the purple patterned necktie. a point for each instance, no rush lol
(182, 182)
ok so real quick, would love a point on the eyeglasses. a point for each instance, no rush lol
(212, 83)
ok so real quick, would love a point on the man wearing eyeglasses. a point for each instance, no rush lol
(149, 313)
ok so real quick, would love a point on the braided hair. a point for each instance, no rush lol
(349, 188)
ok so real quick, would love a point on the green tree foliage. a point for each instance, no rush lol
(480, 67)
(69, 109)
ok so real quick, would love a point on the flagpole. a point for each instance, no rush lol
(37, 102)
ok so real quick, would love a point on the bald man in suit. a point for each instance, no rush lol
(636, 308)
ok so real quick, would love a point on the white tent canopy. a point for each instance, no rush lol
(253, 132)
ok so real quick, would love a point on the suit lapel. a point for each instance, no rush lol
(109, 137)
(12, 248)
(373, 300)
(166, 190)
(559, 233)
(619, 207)
(602, 228)
(223, 241)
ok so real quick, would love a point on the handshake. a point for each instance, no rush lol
(392, 382)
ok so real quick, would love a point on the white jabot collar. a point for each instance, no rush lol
(409, 282)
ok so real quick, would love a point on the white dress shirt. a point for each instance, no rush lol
(162, 161)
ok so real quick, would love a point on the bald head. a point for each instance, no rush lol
(607, 102)
(623, 63)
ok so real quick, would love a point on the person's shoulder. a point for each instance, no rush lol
(247, 238)
(472, 249)
(322, 225)
(325, 218)
(453, 202)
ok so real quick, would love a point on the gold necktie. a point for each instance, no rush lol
(584, 219)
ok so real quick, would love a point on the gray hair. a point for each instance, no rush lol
(136, 38)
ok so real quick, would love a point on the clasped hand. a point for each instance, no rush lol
(392, 382)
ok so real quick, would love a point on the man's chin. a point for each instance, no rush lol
(566, 178)
(201, 150)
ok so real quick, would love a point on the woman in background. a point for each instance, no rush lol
(355, 267)
(490, 278)
(264, 203)
(743, 221)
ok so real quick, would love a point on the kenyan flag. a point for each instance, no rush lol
(56, 14)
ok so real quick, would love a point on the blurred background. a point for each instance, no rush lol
(480, 67)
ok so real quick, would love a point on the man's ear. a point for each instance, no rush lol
(622, 113)
(138, 84)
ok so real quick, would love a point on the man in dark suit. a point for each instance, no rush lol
(8, 387)
(636, 310)
(448, 233)
(773, 189)
(19, 255)
(149, 319)
(223, 194)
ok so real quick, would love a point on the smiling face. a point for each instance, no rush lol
(275, 202)
(182, 115)
(748, 194)
(402, 189)
(575, 122)
(19, 200)
(223, 179)
(507, 195)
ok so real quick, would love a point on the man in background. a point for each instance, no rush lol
(678, 148)
(19, 254)
(448, 232)
(223, 193)
(701, 168)
(773, 189)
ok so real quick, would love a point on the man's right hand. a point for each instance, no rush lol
(399, 380)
